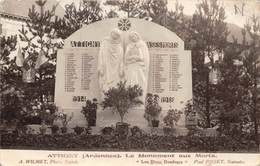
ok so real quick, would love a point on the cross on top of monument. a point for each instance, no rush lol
(124, 24)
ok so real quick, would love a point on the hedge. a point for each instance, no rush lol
(132, 143)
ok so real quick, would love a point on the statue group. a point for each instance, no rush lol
(123, 60)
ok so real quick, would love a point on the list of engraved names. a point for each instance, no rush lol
(70, 72)
(78, 70)
(86, 71)
(164, 72)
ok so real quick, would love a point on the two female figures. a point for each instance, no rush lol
(114, 65)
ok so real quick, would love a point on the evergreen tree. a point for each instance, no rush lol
(154, 10)
(112, 14)
(251, 72)
(239, 86)
(8, 70)
(157, 10)
(41, 49)
(231, 91)
(209, 31)
(179, 23)
(132, 8)
(10, 78)
(75, 17)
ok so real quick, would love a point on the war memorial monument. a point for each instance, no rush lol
(98, 56)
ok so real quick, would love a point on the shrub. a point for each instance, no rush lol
(122, 98)
(64, 130)
(168, 130)
(152, 108)
(54, 129)
(47, 113)
(108, 131)
(144, 143)
(172, 117)
(78, 130)
(65, 119)
(136, 131)
(12, 103)
(89, 112)
(88, 130)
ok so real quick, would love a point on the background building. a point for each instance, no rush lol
(14, 13)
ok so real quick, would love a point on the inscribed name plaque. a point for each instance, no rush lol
(170, 77)
(77, 80)
(77, 77)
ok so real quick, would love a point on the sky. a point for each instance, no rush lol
(250, 7)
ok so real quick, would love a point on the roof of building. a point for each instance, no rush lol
(20, 8)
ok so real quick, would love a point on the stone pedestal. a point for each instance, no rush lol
(109, 118)
(78, 118)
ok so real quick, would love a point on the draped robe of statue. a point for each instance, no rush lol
(110, 61)
(137, 63)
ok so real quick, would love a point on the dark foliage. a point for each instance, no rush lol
(10, 89)
(136, 131)
(90, 112)
(39, 35)
(136, 143)
(108, 131)
(78, 130)
(54, 129)
(172, 117)
(152, 108)
(64, 130)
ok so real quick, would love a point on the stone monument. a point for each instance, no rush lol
(137, 61)
(110, 61)
(154, 58)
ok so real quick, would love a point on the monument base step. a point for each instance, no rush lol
(108, 118)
